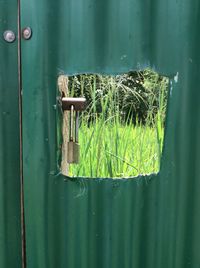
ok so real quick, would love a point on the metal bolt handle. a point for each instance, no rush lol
(71, 138)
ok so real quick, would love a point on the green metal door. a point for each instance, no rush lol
(142, 222)
(10, 212)
(150, 221)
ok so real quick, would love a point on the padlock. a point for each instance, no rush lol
(73, 146)
(72, 105)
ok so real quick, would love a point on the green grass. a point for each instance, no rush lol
(110, 144)
(115, 150)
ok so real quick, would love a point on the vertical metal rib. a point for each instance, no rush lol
(21, 140)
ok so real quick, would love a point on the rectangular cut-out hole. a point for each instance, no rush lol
(121, 131)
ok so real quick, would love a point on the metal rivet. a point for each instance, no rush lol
(9, 36)
(27, 33)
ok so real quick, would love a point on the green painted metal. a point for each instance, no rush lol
(10, 229)
(150, 221)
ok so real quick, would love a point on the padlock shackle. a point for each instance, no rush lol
(76, 126)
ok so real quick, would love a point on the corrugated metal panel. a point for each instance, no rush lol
(143, 222)
(10, 230)
(109, 36)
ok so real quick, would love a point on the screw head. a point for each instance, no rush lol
(9, 36)
(27, 33)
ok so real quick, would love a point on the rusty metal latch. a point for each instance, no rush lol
(74, 105)
(79, 104)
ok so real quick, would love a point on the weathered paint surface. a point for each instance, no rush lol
(148, 222)
(10, 230)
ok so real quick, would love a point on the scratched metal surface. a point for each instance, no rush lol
(140, 222)
(10, 230)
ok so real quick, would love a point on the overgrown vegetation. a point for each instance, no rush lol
(121, 131)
